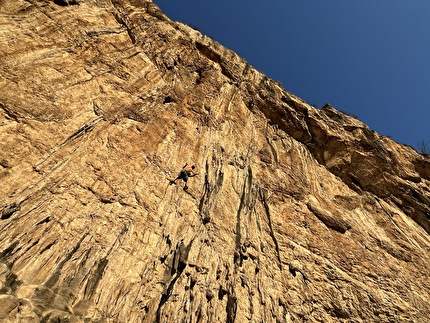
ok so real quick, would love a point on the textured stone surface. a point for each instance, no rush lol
(298, 214)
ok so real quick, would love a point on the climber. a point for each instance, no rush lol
(187, 171)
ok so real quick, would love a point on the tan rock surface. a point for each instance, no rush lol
(297, 214)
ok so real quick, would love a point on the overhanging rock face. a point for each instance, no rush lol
(297, 214)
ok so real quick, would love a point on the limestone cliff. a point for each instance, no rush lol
(298, 214)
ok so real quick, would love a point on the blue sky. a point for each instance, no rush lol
(369, 58)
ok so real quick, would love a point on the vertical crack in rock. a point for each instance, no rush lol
(244, 202)
(204, 200)
(95, 278)
(273, 150)
(95, 274)
(231, 307)
(30, 246)
(123, 20)
(210, 191)
(269, 219)
(57, 272)
(179, 264)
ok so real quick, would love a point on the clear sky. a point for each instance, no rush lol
(369, 58)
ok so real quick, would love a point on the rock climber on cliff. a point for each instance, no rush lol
(187, 171)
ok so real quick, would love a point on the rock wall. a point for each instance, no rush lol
(297, 214)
